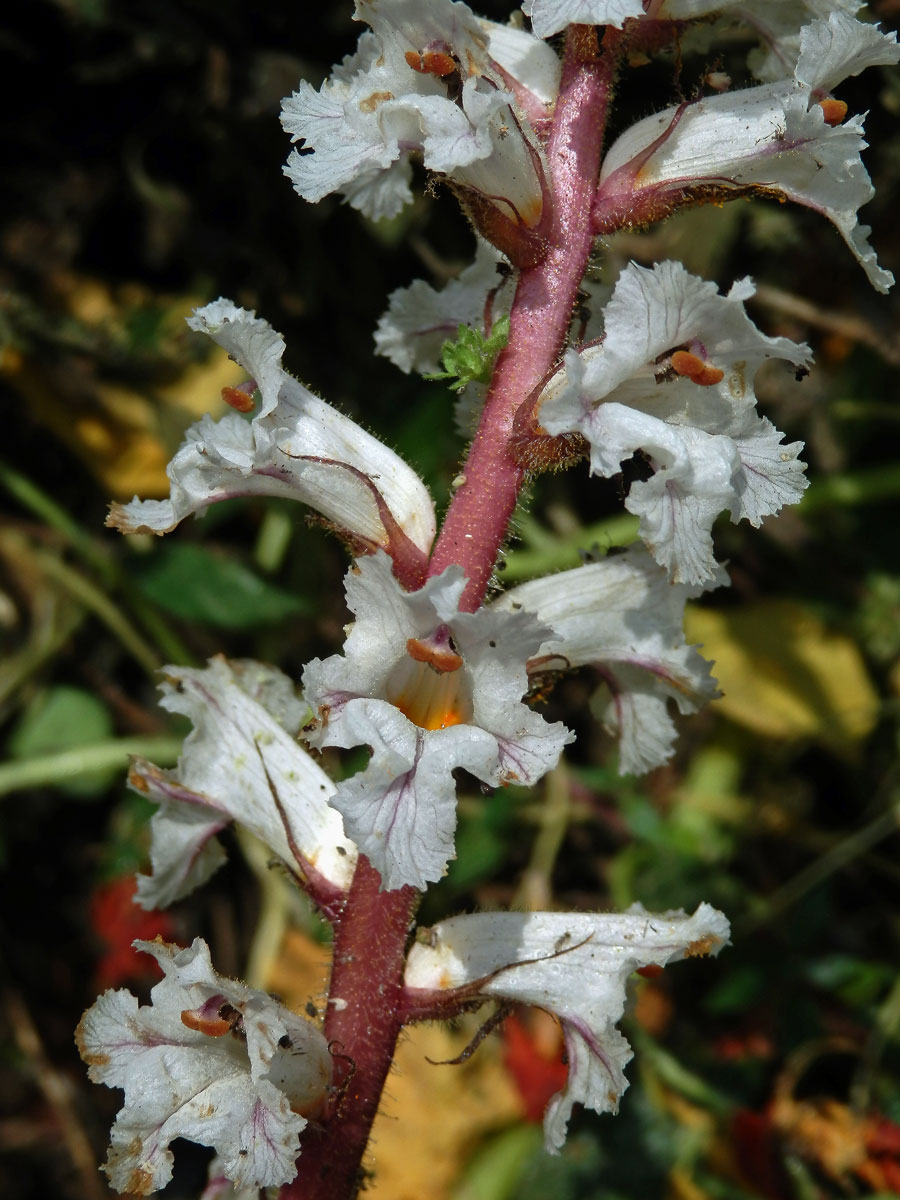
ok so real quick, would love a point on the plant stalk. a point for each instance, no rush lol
(478, 518)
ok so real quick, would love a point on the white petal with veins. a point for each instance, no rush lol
(240, 763)
(624, 618)
(574, 965)
(243, 1091)
(708, 449)
(422, 723)
(296, 446)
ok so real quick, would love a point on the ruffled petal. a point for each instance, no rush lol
(428, 689)
(673, 378)
(420, 318)
(623, 617)
(552, 16)
(424, 81)
(209, 1060)
(573, 965)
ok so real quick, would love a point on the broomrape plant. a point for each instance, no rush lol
(437, 667)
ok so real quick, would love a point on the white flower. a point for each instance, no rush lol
(428, 689)
(624, 618)
(779, 25)
(296, 446)
(431, 79)
(210, 1060)
(420, 318)
(552, 16)
(574, 965)
(673, 378)
(240, 763)
(785, 139)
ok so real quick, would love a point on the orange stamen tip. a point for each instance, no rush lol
(692, 366)
(211, 1026)
(709, 376)
(438, 64)
(834, 110)
(439, 659)
(241, 400)
(685, 363)
(431, 62)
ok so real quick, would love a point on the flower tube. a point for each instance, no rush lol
(573, 965)
(296, 446)
(241, 763)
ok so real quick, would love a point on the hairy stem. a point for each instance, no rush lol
(361, 1025)
(479, 515)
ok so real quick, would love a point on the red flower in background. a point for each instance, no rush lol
(117, 921)
(534, 1058)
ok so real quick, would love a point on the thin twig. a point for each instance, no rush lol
(849, 325)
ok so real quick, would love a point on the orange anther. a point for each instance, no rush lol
(237, 398)
(708, 376)
(834, 110)
(211, 1026)
(440, 659)
(438, 64)
(699, 372)
(685, 363)
(432, 62)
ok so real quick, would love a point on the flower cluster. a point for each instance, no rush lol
(434, 80)
(434, 679)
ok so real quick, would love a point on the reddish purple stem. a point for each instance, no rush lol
(478, 518)
(362, 1025)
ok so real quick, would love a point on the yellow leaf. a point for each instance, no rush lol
(783, 674)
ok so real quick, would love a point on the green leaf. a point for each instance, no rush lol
(470, 359)
(65, 718)
(203, 585)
